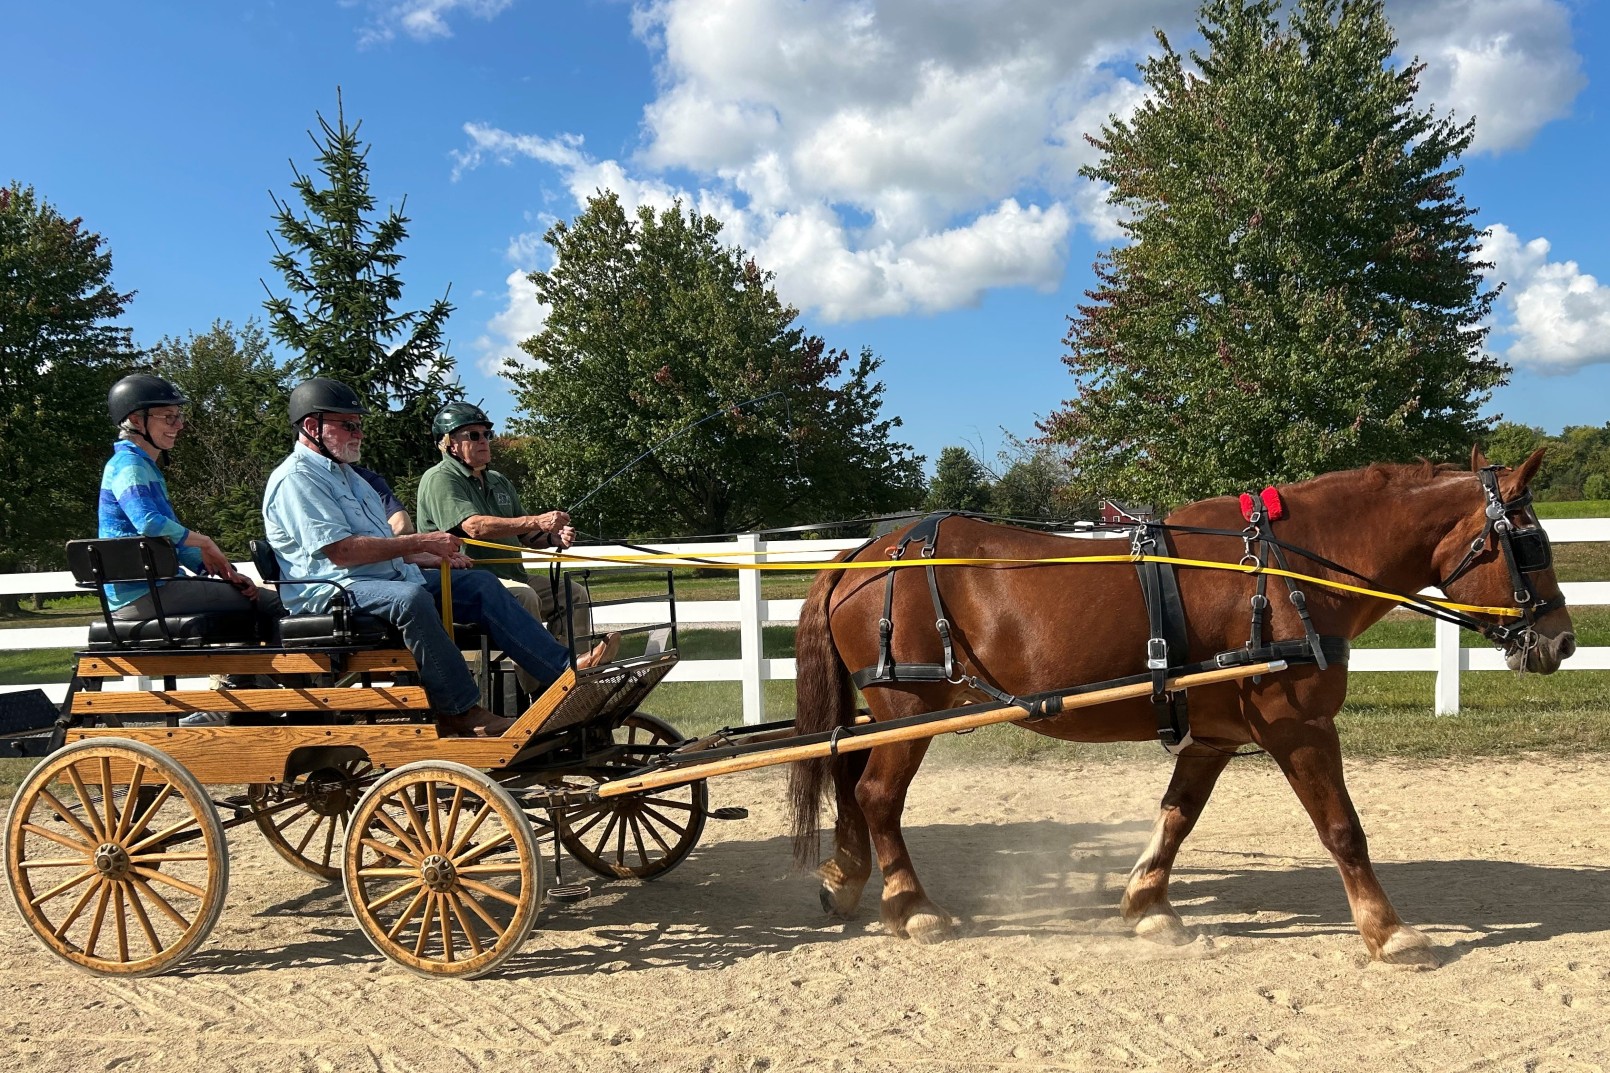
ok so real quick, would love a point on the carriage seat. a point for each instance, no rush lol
(321, 629)
(99, 562)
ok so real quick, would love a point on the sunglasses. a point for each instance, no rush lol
(354, 427)
(475, 435)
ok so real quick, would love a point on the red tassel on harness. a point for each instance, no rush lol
(1273, 508)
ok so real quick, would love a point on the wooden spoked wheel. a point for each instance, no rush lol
(311, 833)
(642, 835)
(116, 857)
(442, 870)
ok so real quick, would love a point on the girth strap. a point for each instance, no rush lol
(1166, 644)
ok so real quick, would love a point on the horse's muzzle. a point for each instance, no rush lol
(1535, 653)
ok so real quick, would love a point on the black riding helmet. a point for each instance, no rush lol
(322, 395)
(455, 415)
(141, 391)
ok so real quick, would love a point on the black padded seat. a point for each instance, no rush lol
(187, 631)
(319, 631)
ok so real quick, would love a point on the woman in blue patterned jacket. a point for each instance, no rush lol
(134, 502)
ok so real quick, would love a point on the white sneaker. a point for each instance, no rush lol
(205, 719)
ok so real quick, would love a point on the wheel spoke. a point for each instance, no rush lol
(408, 913)
(490, 891)
(609, 829)
(178, 884)
(126, 817)
(483, 850)
(106, 795)
(121, 921)
(415, 824)
(475, 825)
(424, 928)
(67, 816)
(163, 835)
(447, 927)
(329, 842)
(654, 833)
(295, 815)
(52, 862)
(465, 924)
(598, 818)
(77, 910)
(452, 816)
(100, 917)
(396, 832)
(435, 817)
(313, 829)
(390, 851)
(144, 857)
(160, 902)
(637, 840)
(666, 802)
(150, 813)
(387, 899)
(391, 873)
(649, 810)
(61, 888)
(145, 921)
(83, 797)
(88, 850)
(479, 910)
(513, 868)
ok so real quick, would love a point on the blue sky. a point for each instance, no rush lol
(908, 168)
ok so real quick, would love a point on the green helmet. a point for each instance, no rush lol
(455, 415)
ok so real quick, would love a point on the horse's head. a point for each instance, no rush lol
(1500, 557)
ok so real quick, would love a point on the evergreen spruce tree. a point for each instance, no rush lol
(1300, 291)
(340, 317)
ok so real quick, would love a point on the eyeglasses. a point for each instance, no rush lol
(167, 419)
(354, 427)
(475, 435)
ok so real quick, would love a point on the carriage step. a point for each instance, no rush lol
(728, 812)
(569, 892)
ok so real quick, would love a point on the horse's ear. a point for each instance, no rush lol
(1521, 476)
(1478, 459)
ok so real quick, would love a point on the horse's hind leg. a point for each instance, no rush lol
(1311, 757)
(881, 793)
(1145, 904)
(845, 874)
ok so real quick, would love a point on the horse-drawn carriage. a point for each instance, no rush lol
(115, 850)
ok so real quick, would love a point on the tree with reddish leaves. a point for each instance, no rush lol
(665, 347)
(60, 350)
(1301, 289)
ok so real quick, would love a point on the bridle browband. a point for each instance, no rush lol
(1525, 550)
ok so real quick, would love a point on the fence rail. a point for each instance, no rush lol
(750, 612)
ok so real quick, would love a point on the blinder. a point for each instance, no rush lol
(1524, 550)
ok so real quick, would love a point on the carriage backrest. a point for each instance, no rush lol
(267, 563)
(94, 563)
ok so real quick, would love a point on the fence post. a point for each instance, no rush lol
(751, 637)
(1447, 640)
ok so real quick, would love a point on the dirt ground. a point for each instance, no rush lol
(729, 964)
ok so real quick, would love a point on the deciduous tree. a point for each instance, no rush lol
(661, 339)
(1300, 290)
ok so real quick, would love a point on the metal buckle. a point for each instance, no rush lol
(1156, 654)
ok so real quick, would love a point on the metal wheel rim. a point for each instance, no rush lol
(133, 863)
(441, 870)
(637, 836)
(307, 836)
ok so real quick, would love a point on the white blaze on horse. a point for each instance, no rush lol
(1021, 629)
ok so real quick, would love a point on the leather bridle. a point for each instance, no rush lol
(1525, 550)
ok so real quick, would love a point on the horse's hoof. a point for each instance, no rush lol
(929, 927)
(836, 901)
(1162, 928)
(1410, 949)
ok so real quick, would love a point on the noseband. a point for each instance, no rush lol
(1525, 550)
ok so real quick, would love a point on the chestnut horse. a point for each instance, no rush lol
(1043, 627)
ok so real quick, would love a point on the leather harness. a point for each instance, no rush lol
(1167, 645)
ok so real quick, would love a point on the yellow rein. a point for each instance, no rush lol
(670, 558)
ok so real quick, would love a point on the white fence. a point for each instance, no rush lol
(750, 611)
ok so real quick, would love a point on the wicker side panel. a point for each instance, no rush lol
(608, 695)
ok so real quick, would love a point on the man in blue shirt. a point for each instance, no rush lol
(326, 522)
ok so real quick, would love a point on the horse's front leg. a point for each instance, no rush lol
(881, 793)
(1311, 756)
(1145, 904)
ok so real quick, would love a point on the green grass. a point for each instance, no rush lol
(1579, 508)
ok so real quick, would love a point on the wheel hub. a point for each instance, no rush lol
(438, 873)
(112, 860)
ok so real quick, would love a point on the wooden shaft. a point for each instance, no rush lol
(1005, 714)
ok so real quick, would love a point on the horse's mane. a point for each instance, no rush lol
(1381, 475)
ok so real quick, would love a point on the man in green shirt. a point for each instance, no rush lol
(463, 495)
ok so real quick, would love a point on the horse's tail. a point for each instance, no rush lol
(824, 702)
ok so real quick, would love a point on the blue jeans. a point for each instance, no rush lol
(478, 597)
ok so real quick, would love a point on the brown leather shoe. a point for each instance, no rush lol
(474, 722)
(602, 652)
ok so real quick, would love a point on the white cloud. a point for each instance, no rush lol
(1556, 316)
(422, 20)
(522, 317)
(1509, 63)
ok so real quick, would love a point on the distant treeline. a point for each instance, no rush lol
(1577, 465)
